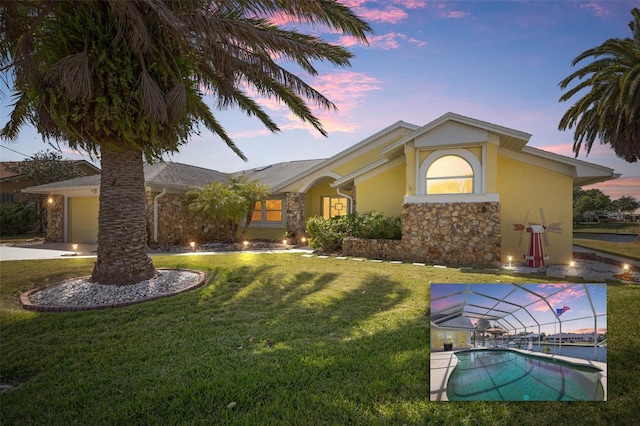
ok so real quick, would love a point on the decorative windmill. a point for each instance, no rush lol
(535, 257)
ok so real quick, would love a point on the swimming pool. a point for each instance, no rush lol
(505, 375)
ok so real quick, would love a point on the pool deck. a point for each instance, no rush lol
(443, 363)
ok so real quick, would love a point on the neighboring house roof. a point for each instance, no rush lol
(6, 175)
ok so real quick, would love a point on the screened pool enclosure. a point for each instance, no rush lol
(518, 315)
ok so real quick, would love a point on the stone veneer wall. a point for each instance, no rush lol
(55, 219)
(441, 233)
(176, 225)
(295, 212)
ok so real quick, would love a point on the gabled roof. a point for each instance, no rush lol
(180, 176)
(351, 151)
(584, 173)
(509, 138)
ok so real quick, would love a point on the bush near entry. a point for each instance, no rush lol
(328, 234)
(17, 218)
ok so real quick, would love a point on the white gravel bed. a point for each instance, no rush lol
(81, 292)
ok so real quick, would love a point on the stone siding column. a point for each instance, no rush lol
(55, 219)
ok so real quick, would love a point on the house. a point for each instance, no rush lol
(459, 184)
(570, 338)
(12, 183)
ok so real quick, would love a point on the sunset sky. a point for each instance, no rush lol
(579, 318)
(499, 62)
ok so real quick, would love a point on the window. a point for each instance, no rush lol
(450, 175)
(6, 198)
(268, 212)
(334, 206)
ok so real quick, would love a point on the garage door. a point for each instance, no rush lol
(83, 219)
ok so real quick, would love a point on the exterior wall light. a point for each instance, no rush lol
(50, 200)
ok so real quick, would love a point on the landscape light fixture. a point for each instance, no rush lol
(303, 239)
(245, 243)
(284, 242)
(193, 245)
(75, 249)
(572, 264)
(50, 200)
(510, 259)
(625, 267)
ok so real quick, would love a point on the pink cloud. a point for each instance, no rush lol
(384, 42)
(623, 186)
(454, 14)
(411, 4)
(346, 89)
(601, 330)
(391, 15)
(566, 294)
(595, 8)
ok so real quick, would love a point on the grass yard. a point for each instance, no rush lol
(629, 250)
(269, 339)
(632, 228)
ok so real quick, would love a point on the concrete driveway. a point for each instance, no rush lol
(45, 251)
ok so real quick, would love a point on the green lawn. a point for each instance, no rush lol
(608, 227)
(629, 250)
(269, 339)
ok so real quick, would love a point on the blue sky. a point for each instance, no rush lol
(579, 318)
(499, 62)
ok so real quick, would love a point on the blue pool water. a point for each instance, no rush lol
(504, 375)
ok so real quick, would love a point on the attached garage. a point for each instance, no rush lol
(83, 219)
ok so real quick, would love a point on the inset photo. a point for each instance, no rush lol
(518, 342)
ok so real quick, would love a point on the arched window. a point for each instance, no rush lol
(450, 174)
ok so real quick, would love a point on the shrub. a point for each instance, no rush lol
(17, 218)
(328, 234)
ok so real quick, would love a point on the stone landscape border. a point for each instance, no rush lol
(26, 303)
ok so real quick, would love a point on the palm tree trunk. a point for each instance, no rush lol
(122, 225)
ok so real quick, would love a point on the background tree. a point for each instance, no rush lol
(626, 204)
(126, 80)
(591, 201)
(609, 109)
(229, 201)
(46, 167)
(43, 167)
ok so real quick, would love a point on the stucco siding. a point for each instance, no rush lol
(313, 199)
(525, 187)
(383, 192)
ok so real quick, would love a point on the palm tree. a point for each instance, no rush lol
(609, 108)
(126, 81)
